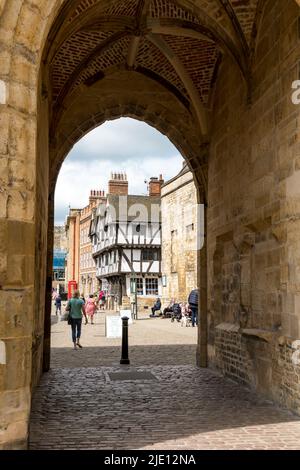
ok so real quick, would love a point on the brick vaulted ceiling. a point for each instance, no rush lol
(179, 43)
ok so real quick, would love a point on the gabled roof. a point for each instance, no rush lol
(132, 208)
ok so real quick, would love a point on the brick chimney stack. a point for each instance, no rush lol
(118, 184)
(96, 196)
(155, 185)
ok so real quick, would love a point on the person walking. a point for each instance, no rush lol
(57, 304)
(76, 308)
(193, 303)
(102, 300)
(90, 308)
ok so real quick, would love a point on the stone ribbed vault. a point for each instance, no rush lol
(178, 45)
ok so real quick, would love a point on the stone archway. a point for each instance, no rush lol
(155, 116)
(226, 68)
(125, 105)
(146, 81)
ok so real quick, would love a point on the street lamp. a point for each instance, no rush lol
(133, 292)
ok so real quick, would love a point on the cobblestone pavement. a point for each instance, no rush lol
(151, 340)
(182, 408)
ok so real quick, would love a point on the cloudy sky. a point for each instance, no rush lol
(122, 145)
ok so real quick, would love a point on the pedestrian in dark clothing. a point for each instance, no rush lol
(76, 308)
(168, 311)
(193, 303)
(57, 304)
(103, 301)
(176, 312)
(156, 306)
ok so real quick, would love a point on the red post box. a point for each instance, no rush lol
(72, 286)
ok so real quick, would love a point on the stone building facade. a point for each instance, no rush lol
(216, 78)
(60, 238)
(72, 228)
(80, 266)
(179, 236)
(88, 283)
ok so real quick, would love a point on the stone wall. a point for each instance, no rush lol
(60, 238)
(88, 283)
(179, 237)
(73, 244)
(254, 213)
(261, 360)
(24, 203)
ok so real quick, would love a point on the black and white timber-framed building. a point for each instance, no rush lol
(126, 237)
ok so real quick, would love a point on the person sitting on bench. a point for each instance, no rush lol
(156, 307)
(168, 311)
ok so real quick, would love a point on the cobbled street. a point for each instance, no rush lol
(80, 404)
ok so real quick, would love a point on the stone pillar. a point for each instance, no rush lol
(201, 359)
(48, 294)
(17, 261)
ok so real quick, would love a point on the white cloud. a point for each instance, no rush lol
(122, 145)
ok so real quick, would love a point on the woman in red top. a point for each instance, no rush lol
(90, 308)
(101, 300)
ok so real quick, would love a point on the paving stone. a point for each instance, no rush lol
(187, 408)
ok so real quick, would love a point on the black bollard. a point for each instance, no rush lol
(124, 358)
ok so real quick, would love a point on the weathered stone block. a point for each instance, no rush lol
(14, 400)
(284, 273)
(17, 313)
(4, 128)
(22, 175)
(20, 205)
(20, 270)
(22, 98)
(22, 137)
(16, 374)
(21, 237)
(3, 204)
(13, 434)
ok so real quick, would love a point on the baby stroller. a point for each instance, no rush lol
(186, 318)
(176, 313)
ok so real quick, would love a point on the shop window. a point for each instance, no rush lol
(151, 286)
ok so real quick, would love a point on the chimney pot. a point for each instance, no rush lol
(155, 186)
(118, 184)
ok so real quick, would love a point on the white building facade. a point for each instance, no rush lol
(126, 238)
